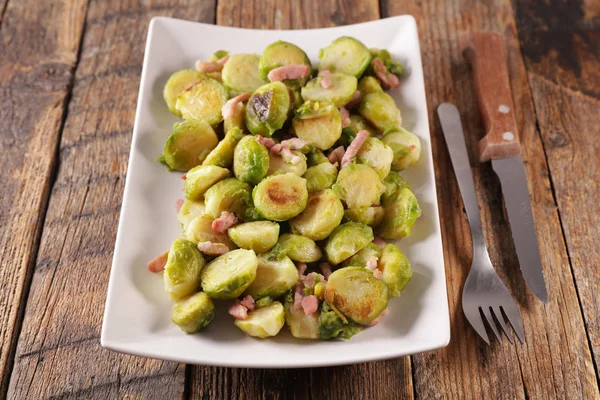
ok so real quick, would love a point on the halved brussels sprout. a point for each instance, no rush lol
(395, 269)
(222, 155)
(230, 195)
(299, 248)
(268, 109)
(346, 240)
(273, 277)
(322, 131)
(301, 326)
(369, 84)
(177, 83)
(280, 197)
(200, 178)
(182, 272)
(227, 276)
(240, 73)
(377, 155)
(193, 313)
(393, 66)
(188, 145)
(278, 165)
(320, 177)
(200, 230)
(393, 183)
(347, 55)
(331, 325)
(259, 236)
(401, 212)
(323, 213)
(358, 185)
(203, 101)
(371, 216)
(190, 210)
(250, 160)
(263, 322)
(379, 108)
(357, 294)
(282, 53)
(340, 91)
(360, 259)
(406, 147)
(316, 157)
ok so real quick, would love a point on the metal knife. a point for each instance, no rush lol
(486, 53)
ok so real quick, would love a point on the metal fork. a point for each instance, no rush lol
(484, 292)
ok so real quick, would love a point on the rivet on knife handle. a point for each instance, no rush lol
(486, 53)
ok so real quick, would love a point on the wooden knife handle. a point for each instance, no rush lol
(486, 53)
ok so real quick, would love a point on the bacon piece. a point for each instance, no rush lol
(248, 302)
(309, 281)
(301, 268)
(211, 66)
(345, 117)
(292, 71)
(372, 263)
(212, 248)
(310, 304)
(178, 204)
(325, 78)
(325, 269)
(229, 108)
(355, 100)
(379, 242)
(289, 156)
(378, 319)
(224, 222)
(298, 296)
(377, 274)
(158, 264)
(238, 310)
(387, 79)
(336, 155)
(184, 177)
(267, 142)
(354, 147)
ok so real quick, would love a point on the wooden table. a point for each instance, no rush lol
(69, 75)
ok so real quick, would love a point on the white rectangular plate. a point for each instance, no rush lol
(137, 318)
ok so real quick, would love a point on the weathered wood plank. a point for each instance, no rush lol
(376, 380)
(561, 46)
(544, 366)
(36, 71)
(59, 354)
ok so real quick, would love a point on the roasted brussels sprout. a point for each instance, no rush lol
(268, 109)
(259, 236)
(222, 155)
(331, 325)
(299, 248)
(200, 178)
(227, 276)
(358, 185)
(230, 195)
(356, 294)
(282, 53)
(346, 55)
(240, 73)
(203, 101)
(379, 108)
(360, 259)
(182, 272)
(340, 90)
(393, 183)
(377, 155)
(346, 240)
(301, 326)
(406, 147)
(263, 322)
(320, 177)
(200, 230)
(190, 210)
(322, 131)
(401, 212)
(392, 66)
(371, 216)
(369, 84)
(250, 160)
(263, 302)
(177, 83)
(278, 165)
(280, 197)
(273, 277)
(188, 145)
(395, 268)
(316, 157)
(323, 213)
(193, 313)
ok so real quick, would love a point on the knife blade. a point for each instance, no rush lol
(486, 53)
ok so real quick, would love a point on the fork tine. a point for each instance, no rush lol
(514, 317)
(490, 320)
(476, 322)
(498, 313)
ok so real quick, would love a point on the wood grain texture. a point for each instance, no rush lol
(555, 361)
(561, 46)
(36, 72)
(59, 354)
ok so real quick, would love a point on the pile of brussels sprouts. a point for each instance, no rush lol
(305, 225)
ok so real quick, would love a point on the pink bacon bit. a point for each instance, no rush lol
(325, 79)
(379, 242)
(178, 204)
(345, 117)
(336, 155)
(310, 304)
(213, 249)
(355, 100)
(377, 274)
(211, 66)
(248, 302)
(387, 79)
(378, 319)
(292, 71)
(301, 268)
(238, 310)
(267, 142)
(354, 147)
(290, 157)
(224, 222)
(158, 264)
(372, 263)
(228, 109)
(310, 279)
(290, 144)
(325, 269)
(298, 296)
